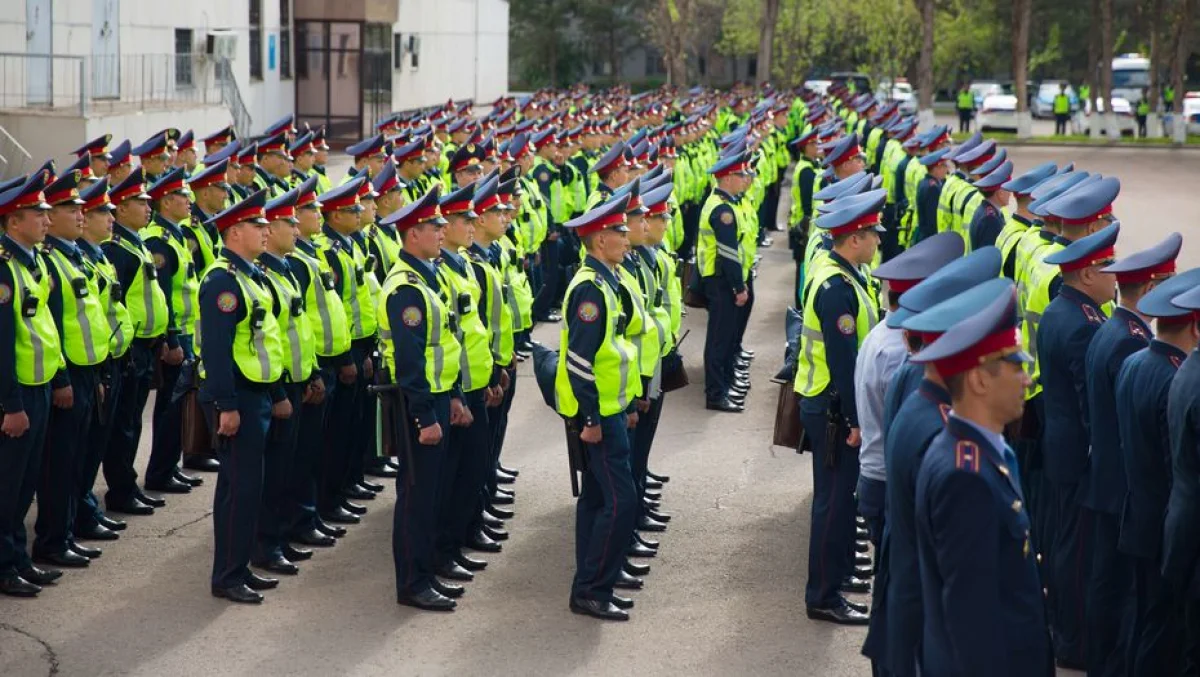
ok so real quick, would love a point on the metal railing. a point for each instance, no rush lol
(13, 156)
(231, 96)
(128, 82)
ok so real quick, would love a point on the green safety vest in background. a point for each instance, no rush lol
(966, 100)
(1062, 104)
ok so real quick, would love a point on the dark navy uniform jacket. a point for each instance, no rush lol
(410, 340)
(1141, 396)
(834, 299)
(904, 383)
(920, 419)
(1120, 336)
(585, 334)
(723, 221)
(220, 322)
(983, 603)
(928, 193)
(986, 225)
(1181, 533)
(1066, 331)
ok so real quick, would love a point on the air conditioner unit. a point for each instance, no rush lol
(221, 45)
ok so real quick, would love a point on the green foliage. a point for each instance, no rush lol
(740, 27)
(1048, 55)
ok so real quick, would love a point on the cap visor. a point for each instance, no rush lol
(470, 214)
(439, 221)
(620, 228)
(879, 229)
(41, 206)
(898, 317)
(1019, 357)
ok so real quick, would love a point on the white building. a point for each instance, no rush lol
(71, 70)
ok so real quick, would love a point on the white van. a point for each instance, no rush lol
(1131, 74)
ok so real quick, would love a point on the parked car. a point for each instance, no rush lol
(1126, 123)
(982, 89)
(901, 92)
(999, 111)
(1191, 113)
(862, 83)
(1042, 105)
(818, 86)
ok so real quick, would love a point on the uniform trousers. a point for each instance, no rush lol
(58, 488)
(743, 317)
(301, 489)
(1111, 601)
(343, 405)
(835, 476)
(166, 440)
(720, 341)
(20, 465)
(414, 522)
(643, 440)
(465, 467)
(551, 272)
(1156, 643)
(606, 512)
(88, 512)
(136, 379)
(1072, 563)
(363, 447)
(238, 495)
(278, 458)
(498, 425)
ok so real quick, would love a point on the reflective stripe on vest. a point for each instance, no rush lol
(145, 300)
(85, 329)
(613, 360)
(185, 286)
(37, 349)
(299, 355)
(812, 371)
(120, 327)
(331, 333)
(441, 346)
(475, 358)
(709, 249)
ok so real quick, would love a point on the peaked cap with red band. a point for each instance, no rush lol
(424, 210)
(1096, 249)
(1148, 265)
(610, 214)
(283, 208)
(343, 196)
(95, 197)
(132, 188)
(253, 210)
(97, 146)
(27, 195)
(854, 214)
(985, 336)
(913, 265)
(65, 189)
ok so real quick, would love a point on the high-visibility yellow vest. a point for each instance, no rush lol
(1062, 104)
(708, 250)
(388, 244)
(357, 299)
(185, 286)
(1037, 280)
(299, 348)
(85, 329)
(521, 295)
(257, 340)
(945, 216)
(206, 249)
(327, 319)
(465, 297)
(614, 367)
(38, 350)
(747, 235)
(641, 331)
(970, 201)
(120, 326)
(801, 212)
(1010, 235)
(145, 300)
(812, 371)
(672, 301)
(966, 100)
(496, 307)
(442, 349)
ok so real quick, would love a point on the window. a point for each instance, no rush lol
(183, 57)
(285, 39)
(377, 60)
(256, 56)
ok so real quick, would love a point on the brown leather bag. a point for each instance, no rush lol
(674, 373)
(788, 429)
(197, 438)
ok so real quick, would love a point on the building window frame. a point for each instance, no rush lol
(285, 39)
(255, 43)
(184, 48)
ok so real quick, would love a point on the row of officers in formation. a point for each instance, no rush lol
(1016, 419)
(303, 337)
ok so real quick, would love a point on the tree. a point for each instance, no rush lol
(608, 27)
(1106, 76)
(543, 51)
(1022, 14)
(766, 39)
(925, 63)
(1180, 40)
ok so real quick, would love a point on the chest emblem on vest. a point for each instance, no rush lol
(227, 302)
(588, 311)
(5, 294)
(845, 324)
(411, 316)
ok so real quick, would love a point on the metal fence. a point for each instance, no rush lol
(128, 82)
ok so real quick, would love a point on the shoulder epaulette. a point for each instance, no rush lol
(412, 277)
(967, 456)
(1092, 314)
(5, 255)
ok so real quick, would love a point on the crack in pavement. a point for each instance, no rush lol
(742, 480)
(47, 651)
(176, 529)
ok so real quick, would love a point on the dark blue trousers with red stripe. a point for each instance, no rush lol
(831, 538)
(414, 523)
(606, 512)
(238, 495)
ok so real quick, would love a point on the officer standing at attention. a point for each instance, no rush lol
(79, 316)
(804, 185)
(719, 257)
(966, 108)
(147, 305)
(989, 218)
(838, 314)
(1181, 542)
(983, 603)
(597, 383)
(30, 358)
(882, 353)
(418, 334)
(1124, 333)
(1066, 331)
(937, 166)
(180, 282)
(1141, 392)
(241, 353)
(210, 193)
(1062, 110)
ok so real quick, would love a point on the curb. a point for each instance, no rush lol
(1098, 146)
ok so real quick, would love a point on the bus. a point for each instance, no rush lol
(1131, 74)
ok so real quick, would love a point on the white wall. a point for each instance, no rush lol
(464, 52)
(148, 27)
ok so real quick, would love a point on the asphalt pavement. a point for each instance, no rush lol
(725, 596)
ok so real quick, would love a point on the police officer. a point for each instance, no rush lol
(214, 142)
(97, 154)
(418, 333)
(1066, 331)
(147, 305)
(26, 371)
(937, 167)
(120, 164)
(989, 218)
(966, 108)
(804, 185)
(154, 154)
(613, 171)
(276, 164)
(1141, 394)
(1021, 221)
(241, 353)
(838, 314)
(720, 260)
(983, 604)
(75, 303)
(595, 385)
(368, 155)
(180, 281)
(299, 382)
(210, 192)
(90, 521)
(1062, 110)
(1121, 335)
